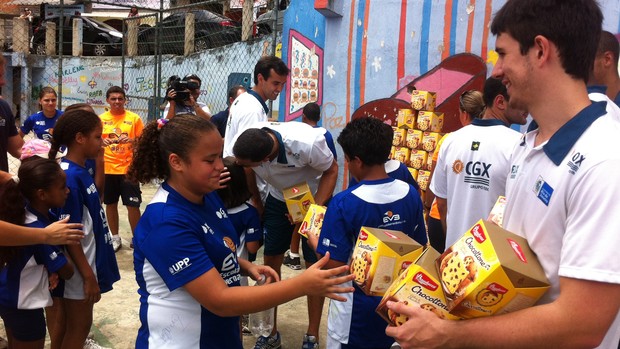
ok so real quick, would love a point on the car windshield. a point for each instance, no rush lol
(99, 24)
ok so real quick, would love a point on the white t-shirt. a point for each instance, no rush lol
(179, 109)
(247, 110)
(563, 198)
(471, 172)
(303, 157)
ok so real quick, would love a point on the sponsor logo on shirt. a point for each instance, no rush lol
(513, 171)
(390, 216)
(91, 189)
(40, 123)
(53, 255)
(477, 174)
(229, 263)
(207, 229)
(229, 243)
(179, 266)
(221, 213)
(475, 146)
(575, 162)
(543, 191)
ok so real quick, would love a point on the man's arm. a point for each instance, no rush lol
(442, 207)
(200, 111)
(14, 146)
(578, 318)
(327, 184)
(250, 177)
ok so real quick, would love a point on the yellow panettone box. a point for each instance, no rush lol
(423, 178)
(497, 212)
(413, 138)
(402, 154)
(379, 256)
(429, 160)
(430, 140)
(414, 173)
(418, 286)
(430, 121)
(298, 199)
(417, 159)
(313, 221)
(406, 118)
(423, 100)
(399, 137)
(490, 271)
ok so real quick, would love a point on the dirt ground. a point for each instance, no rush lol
(116, 320)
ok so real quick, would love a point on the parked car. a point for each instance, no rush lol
(98, 39)
(264, 22)
(210, 30)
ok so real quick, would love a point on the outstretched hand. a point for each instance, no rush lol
(327, 283)
(63, 233)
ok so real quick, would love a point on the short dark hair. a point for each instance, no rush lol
(114, 89)
(193, 77)
(232, 93)
(253, 144)
(236, 191)
(609, 42)
(492, 88)
(573, 26)
(266, 63)
(368, 139)
(312, 111)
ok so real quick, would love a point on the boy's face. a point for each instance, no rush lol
(116, 102)
(515, 70)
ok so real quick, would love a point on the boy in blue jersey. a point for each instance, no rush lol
(355, 324)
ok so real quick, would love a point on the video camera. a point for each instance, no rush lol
(181, 87)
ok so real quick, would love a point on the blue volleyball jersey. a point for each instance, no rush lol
(246, 220)
(24, 281)
(386, 203)
(84, 206)
(396, 170)
(177, 241)
(42, 126)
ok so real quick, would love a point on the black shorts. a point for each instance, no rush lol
(26, 325)
(279, 231)
(118, 185)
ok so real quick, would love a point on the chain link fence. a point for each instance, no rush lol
(82, 50)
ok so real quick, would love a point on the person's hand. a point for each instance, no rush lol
(108, 141)
(255, 272)
(191, 101)
(326, 283)
(171, 95)
(53, 280)
(224, 178)
(123, 139)
(92, 293)
(63, 233)
(423, 328)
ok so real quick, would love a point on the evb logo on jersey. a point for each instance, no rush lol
(390, 216)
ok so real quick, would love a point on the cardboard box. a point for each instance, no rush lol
(402, 154)
(406, 118)
(489, 271)
(418, 286)
(423, 177)
(413, 138)
(313, 221)
(399, 137)
(417, 159)
(430, 121)
(392, 151)
(414, 173)
(423, 100)
(497, 212)
(430, 140)
(379, 256)
(298, 199)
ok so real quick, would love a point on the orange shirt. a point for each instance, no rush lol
(118, 157)
(434, 212)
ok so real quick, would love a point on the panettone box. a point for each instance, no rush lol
(429, 141)
(406, 118)
(298, 199)
(381, 255)
(413, 138)
(414, 173)
(418, 286)
(313, 221)
(424, 177)
(423, 100)
(417, 159)
(430, 121)
(497, 212)
(490, 271)
(398, 139)
(402, 154)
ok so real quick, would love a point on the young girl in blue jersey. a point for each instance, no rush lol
(185, 257)
(80, 132)
(42, 122)
(29, 272)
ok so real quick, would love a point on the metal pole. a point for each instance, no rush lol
(60, 44)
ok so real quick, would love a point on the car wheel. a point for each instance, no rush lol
(100, 49)
(201, 44)
(39, 49)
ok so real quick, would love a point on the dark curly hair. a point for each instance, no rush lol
(367, 138)
(237, 191)
(69, 125)
(152, 149)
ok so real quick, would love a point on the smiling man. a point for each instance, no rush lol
(561, 193)
(270, 74)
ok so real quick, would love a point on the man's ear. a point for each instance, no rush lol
(608, 59)
(176, 163)
(500, 102)
(543, 49)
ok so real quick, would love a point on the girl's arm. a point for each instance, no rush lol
(211, 291)
(57, 233)
(92, 293)
(66, 272)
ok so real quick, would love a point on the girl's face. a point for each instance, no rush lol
(48, 102)
(56, 194)
(93, 142)
(201, 173)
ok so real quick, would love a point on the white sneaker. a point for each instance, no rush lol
(91, 344)
(117, 243)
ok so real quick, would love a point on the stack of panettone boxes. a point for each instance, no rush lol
(416, 135)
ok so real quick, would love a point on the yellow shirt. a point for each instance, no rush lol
(118, 157)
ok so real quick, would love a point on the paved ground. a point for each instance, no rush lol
(116, 319)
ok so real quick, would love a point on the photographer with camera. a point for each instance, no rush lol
(182, 96)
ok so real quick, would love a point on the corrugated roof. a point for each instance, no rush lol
(37, 2)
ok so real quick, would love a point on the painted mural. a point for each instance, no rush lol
(306, 78)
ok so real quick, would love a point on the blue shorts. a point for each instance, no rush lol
(26, 325)
(279, 231)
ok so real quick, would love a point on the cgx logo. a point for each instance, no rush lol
(477, 169)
